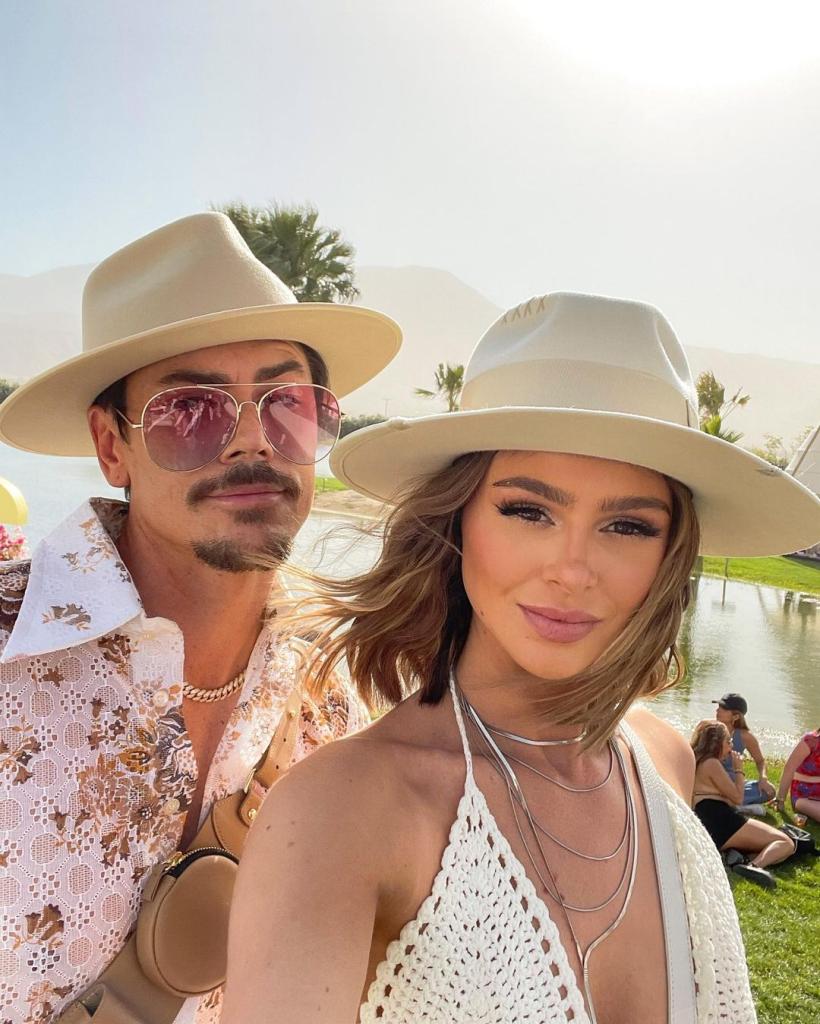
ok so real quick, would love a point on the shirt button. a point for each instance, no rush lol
(161, 698)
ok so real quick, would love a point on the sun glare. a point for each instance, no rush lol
(697, 44)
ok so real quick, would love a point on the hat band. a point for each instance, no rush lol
(578, 384)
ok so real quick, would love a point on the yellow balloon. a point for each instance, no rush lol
(13, 507)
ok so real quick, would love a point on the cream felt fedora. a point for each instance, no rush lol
(592, 376)
(191, 284)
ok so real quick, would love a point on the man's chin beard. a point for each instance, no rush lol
(231, 556)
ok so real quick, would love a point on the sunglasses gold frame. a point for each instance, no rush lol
(239, 405)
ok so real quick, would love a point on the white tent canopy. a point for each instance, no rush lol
(805, 466)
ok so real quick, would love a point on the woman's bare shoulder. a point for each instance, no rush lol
(671, 752)
(371, 783)
(355, 776)
(329, 826)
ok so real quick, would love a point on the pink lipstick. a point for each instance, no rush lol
(563, 627)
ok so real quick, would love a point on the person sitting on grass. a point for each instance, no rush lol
(715, 802)
(801, 776)
(732, 710)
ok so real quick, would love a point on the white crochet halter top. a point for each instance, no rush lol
(475, 955)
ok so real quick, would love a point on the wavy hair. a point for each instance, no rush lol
(403, 624)
(708, 738)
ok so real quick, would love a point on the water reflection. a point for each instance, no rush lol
(758, 641)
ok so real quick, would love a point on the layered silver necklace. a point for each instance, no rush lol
(626, 882)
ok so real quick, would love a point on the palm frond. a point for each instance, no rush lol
(315, 262)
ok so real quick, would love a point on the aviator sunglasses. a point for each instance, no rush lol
(185, 428)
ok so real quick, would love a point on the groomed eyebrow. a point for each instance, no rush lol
(634, 503)
(280, 369)
(266, 373)
(539, 487)
(628, 503)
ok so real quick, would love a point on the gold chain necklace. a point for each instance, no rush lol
(204, 695)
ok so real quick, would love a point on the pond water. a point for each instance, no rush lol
(759, 641)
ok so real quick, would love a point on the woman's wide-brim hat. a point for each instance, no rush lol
(190, 285)
(592, 376)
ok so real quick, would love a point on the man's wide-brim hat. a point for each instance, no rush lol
(592, 376)
(190, 285)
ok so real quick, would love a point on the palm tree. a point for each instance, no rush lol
(713, 407)
(449, 382)
(315, 262)
(714, 425)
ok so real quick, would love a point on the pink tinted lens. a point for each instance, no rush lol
(186, 428)
(301, 421)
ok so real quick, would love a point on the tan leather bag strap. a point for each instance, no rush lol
(275, 759)
(230, 818)
(122, 994)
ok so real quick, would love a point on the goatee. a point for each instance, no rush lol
(275, 545)
(229, 556)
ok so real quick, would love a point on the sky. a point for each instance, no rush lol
(666, 152)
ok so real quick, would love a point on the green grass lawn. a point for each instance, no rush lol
(781, 929)
(786, 573)
(328, 483)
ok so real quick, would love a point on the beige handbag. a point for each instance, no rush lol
(179, 947)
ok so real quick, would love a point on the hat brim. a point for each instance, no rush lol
(48, 413)
(728, 707)
(746, 507)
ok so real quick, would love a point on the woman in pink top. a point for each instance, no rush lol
(802, 777)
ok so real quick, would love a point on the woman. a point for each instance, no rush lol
(505, 846)
(716, 798)
(732, 709)
(801, 777)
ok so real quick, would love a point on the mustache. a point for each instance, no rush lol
(244, 474)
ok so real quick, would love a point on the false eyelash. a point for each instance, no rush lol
(642, 529)
(537, 514)
(518, 508)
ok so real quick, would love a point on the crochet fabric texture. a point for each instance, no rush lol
(484, 949)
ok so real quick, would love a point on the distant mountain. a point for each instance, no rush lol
(54, 291)
(442, 318)
(40, 320)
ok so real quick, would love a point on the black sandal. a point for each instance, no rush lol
(733, 857)
(754, 874)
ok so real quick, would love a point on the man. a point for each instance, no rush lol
(139, 665)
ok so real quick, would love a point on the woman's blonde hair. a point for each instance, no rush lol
(708, 738)
(403, 624)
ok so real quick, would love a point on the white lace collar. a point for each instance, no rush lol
(79, 588)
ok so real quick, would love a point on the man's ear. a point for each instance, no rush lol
(110, 445)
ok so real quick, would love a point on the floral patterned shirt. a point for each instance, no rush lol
(96, 768)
